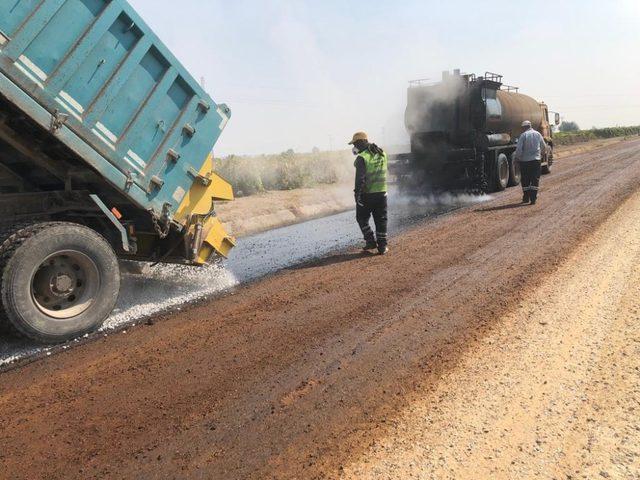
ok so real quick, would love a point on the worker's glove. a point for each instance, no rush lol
(358, 198)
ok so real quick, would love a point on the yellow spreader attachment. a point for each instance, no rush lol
(204, 229)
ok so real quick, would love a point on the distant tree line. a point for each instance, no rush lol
(572, 136)
(568, 126)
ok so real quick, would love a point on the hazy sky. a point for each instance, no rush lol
(299, 74)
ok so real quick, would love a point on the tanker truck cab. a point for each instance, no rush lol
(464, 132)
(546, 129)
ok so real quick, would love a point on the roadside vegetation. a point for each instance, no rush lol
(579, 136)
(285, 171)
(568, 126)
(290, 170)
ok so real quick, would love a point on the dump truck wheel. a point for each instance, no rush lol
(501, 174)
(59, 280)
(6, 230)
(514, 173)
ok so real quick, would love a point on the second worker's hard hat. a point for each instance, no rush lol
(359, 136)
(526, 123)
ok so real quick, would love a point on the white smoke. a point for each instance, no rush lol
(436, 200)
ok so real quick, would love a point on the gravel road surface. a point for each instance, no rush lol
(500, 341)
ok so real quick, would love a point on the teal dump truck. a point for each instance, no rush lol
(105, 154)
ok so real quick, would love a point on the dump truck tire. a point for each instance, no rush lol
(514, 173)
(501, 173)
(6, 230)
(58, 280)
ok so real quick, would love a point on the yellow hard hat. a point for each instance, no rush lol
(359, 136)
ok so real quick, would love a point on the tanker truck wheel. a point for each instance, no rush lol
(514, 172)
(59, 280)
(501, 173)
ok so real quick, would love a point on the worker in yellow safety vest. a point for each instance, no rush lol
(371, 191)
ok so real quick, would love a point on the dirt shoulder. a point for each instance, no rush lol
(552, 392)
(303, 374)
(258, 213)
(564, 151)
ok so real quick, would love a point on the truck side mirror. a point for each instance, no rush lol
(557, 119)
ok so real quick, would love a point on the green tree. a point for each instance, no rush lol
(568, 126)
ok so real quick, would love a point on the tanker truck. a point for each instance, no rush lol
(463, 132)
(105, 154)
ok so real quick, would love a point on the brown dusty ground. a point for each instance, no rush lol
(552, 393)
(258, 213)
(497, 342)
(563, 151)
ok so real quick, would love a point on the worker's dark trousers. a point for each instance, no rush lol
(373, 204)
(530, 178)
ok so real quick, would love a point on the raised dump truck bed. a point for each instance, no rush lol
(102, 133)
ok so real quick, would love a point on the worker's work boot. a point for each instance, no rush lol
(370, 246)
(383, 250)
(534, 197)
(525, 198)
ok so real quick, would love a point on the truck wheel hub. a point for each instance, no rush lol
(62, 284)
(65, 284)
